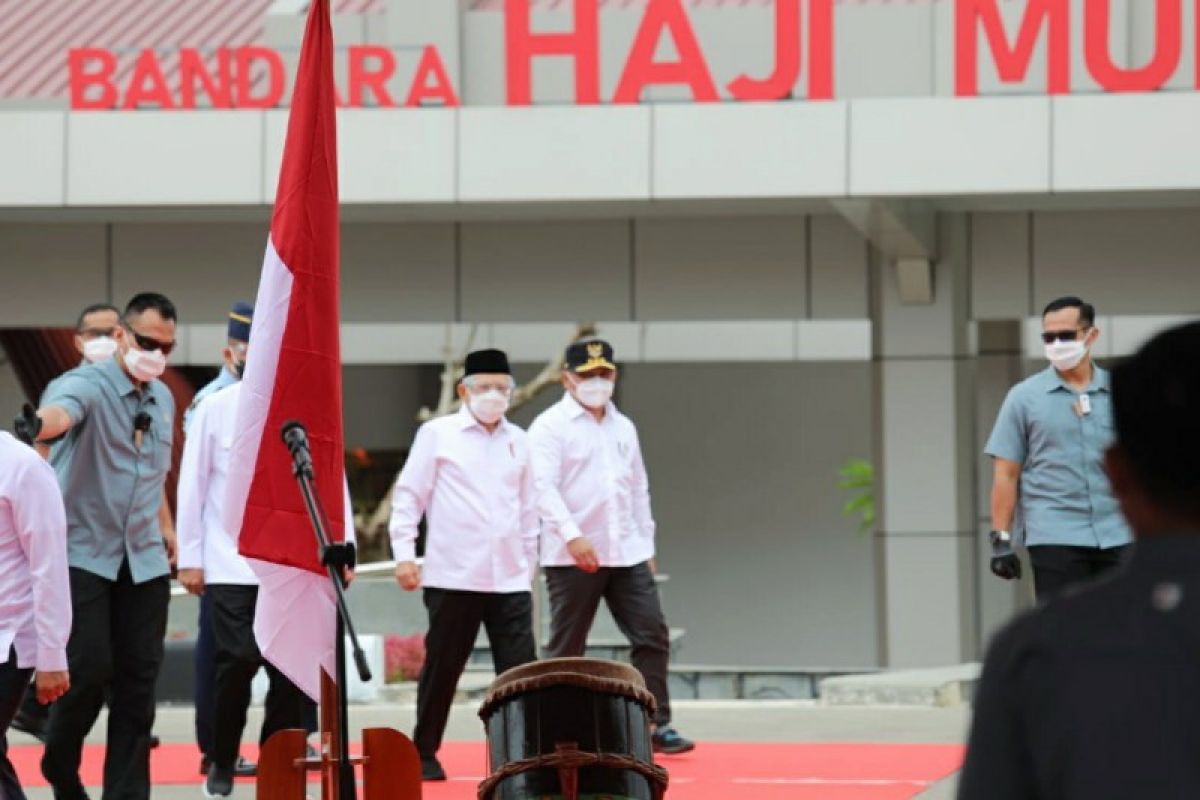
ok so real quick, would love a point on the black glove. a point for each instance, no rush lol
(27, 426)
(1005, 563)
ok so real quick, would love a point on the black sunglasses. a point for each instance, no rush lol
(1049, 337)
(148, 343)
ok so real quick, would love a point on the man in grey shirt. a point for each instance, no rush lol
(1097, 695)
(1047, 449)
(114, 419)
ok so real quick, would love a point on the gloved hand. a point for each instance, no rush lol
(27, 426)
(1005, 563)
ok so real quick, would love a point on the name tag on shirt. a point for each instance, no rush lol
(1085, 404)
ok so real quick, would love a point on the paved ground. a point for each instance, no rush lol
(729, 721)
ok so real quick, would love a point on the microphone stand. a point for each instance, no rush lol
(335, 556)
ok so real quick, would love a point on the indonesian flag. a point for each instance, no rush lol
(293, 371)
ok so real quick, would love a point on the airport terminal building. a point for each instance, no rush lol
(814, 231)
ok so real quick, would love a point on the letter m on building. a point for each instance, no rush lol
(1012, 58)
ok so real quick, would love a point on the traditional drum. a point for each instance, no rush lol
(570, 728)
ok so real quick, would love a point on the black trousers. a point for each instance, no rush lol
(632, 599)
(115, 650)
(454, 619)
(1055, 567)
(13, 682)
(237, 659)
(204, 669)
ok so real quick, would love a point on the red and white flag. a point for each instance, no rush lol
(293, 371)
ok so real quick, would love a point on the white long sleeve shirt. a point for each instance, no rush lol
(476, 491)
(203, 541)
(35, 584)
(590, 481)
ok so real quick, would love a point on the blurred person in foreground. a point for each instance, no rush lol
(1097, 695)
(35, 590)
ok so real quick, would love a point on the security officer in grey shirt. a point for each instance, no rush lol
(1097, 695)
(1047, 449)
(115, 422)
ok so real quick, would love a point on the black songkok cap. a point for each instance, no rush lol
(493, 361)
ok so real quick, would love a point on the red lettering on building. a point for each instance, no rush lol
(431, 82)
(83, 78)
(521, 45)
(147, 84)
(193, 68)
(1012, 62)
(371, 68)
(641, 70)
(255, 77)
(273, 93)
(1168, 44)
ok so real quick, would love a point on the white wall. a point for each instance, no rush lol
(1125, 262)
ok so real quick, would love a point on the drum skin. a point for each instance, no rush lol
(570, 728)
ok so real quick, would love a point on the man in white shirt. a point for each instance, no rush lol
(35, 590)
(597, 529)
(468, 473)
(210, 565)
(241, 318)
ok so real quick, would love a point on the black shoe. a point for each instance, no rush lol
(26, 724)
(431, 770)
(219, 782)
(205, 763)
(667, 740)
(244, 768)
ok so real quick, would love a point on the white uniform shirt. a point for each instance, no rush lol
(591, 481)
(35, 585)
(203, 541)
(476, 491)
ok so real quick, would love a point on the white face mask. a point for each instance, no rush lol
(488, 407)
(99, 349)
(594, 392)
(1066, 356)
(145, 365)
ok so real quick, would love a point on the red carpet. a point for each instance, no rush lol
(713, 772)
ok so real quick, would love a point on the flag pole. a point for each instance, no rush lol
(336, 557)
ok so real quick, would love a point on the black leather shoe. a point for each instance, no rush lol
(219, 782)
(244, 768)
(431, 770)
(667, 740)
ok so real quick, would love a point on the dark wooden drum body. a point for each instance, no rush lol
(570, 728)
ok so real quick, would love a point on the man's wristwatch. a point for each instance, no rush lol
(1000, 538)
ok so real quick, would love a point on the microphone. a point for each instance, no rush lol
(296, 438)
(141, 424)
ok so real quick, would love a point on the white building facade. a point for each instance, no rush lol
(813, 230)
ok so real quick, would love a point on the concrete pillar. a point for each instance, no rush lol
(928, 541)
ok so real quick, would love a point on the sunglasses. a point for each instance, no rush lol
(1050, 337)
(150, 344)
